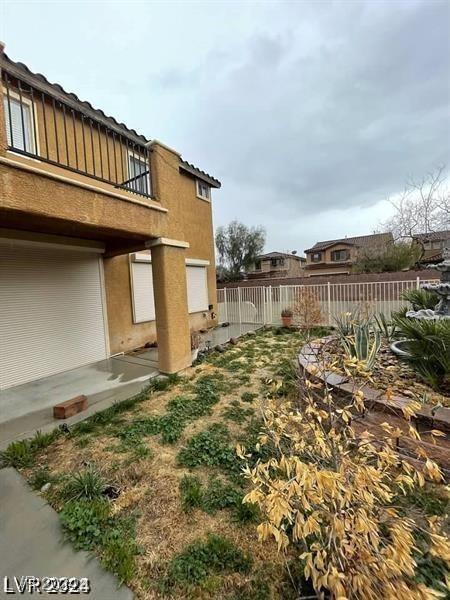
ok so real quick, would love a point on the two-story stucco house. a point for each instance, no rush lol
(106, 237)
(337, 257)
(275, 265)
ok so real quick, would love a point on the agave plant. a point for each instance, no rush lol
(364, 344)
(388, 329)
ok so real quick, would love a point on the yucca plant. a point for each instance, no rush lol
(364, 344)
(428, 345)
(420, 298)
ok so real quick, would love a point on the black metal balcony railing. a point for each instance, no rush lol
(46, 128)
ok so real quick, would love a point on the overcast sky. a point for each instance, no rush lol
(310, 113)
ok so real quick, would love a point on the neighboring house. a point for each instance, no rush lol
(433, 243)
(106, 237)
(276, 264)
(337, 257)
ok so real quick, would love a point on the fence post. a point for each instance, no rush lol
(239, 305)
(269, 305)
(418, 282)
(225, 303)
(329, 302)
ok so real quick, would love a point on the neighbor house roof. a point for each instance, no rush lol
(41, 83)
(374, 239)
(432, 236)
(280, 255)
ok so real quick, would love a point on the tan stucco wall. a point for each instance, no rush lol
(37, 202)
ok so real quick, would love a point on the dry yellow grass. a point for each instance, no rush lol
(149, 486)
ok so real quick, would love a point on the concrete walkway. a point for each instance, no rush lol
(26, 408)
(31, 543)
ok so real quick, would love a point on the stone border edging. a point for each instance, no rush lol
(308, 360)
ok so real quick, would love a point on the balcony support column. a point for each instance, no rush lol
(172, 318)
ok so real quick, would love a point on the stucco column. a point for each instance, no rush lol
(172, 318)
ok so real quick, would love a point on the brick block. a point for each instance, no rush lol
(71, 407)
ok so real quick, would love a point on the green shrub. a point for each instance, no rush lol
(428, 344)
(387, 258)
(420, 298)
(87, 485)
(214, 556)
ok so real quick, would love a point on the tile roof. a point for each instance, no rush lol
(18, 69)
(433, 236)
(193, 170)
(40, 82)
(360, 240)
(278, 254)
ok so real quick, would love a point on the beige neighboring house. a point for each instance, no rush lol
(276, 265)
(106, 236)
(433, 244)
(337, 257)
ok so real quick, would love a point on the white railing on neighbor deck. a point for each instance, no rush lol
(263, 305)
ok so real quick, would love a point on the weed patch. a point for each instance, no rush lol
(235, 412)
(214, 556)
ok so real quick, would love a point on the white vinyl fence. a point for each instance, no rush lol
(261, 304)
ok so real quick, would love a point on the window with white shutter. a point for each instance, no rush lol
(197, 289)
(142, 290)
(19, 127)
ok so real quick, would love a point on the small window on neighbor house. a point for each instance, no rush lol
(139, 171)
(339, 255)
(316, 256)
(438, 245)
(19, 128)
(203, 190)
(258, 265)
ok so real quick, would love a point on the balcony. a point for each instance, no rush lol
(57, 129)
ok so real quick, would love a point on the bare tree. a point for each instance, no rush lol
(423, 207)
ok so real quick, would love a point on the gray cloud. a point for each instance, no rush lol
(311, 113)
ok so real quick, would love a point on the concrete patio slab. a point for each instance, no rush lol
(26, 408)
(32, 544)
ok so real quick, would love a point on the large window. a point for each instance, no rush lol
(139, 175)
(339, 255)
(19, 125)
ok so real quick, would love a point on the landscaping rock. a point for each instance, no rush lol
(219, 348)
(251, 333)
(225, 324)
(233, 341)
(46, 487)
